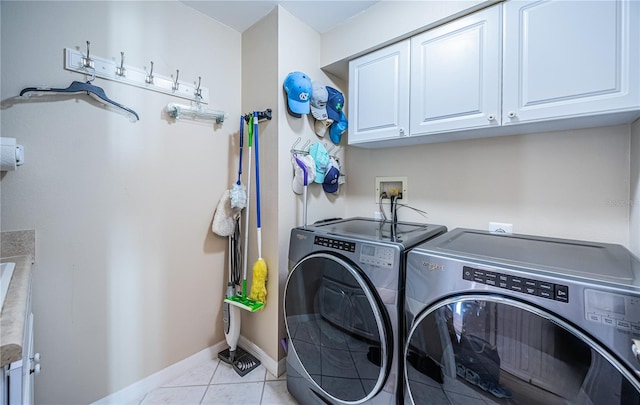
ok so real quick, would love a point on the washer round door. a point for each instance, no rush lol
(494, 349)
(337, 328)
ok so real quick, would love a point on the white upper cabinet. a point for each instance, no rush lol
(455, 75)
(566, 59)
(516, 67)
(379, 94)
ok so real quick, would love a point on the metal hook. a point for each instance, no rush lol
(149, 78)
(93, 74)
(198, 92)
(304, 147)
(175, 83)
(87, 61)
(120, 70)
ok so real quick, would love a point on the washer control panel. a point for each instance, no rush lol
(380, 256)
(335, 244)
(615, 310)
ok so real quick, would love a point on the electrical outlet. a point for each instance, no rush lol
(389, 186)
(500, 227)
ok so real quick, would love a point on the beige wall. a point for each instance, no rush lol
(274, 47)
(129, 277)
(634, 201)
(299, 50)
(572, 184)
(259, 74)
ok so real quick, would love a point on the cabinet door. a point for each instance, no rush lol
(455, 74)
(570, 58)
(379, 94)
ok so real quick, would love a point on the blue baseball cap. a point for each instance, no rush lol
(335, 103)
(338, 128)
(298, 88)
(330, 183)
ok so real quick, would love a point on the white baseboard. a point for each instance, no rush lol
(138, 389)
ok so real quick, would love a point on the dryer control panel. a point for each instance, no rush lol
(544, 289)
(615, 310)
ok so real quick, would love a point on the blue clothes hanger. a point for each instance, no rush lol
(79, 87)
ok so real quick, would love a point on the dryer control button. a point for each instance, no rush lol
(562, 293)
(467, 273)
(624, 325)
(594, 318)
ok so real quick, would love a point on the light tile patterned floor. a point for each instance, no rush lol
(215, 382)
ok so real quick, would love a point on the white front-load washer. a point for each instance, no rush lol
(343, 309)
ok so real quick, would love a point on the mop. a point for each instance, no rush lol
(258, 285)
(241, 300)
(231, 314)
(241, 361)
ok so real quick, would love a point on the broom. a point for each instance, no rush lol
(241, 300)
(258, 285)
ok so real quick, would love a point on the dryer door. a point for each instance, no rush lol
(337, 328)
(482, 347)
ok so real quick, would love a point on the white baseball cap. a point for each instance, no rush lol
(298, 177)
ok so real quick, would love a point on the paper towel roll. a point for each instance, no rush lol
(8, 159)
(11, 155)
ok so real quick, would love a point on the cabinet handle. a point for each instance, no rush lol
(511, 114)
(491, 117)
(401, 131)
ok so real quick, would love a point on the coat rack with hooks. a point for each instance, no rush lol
(134, 76)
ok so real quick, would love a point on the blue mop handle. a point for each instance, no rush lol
(255, 137)
(241, 142)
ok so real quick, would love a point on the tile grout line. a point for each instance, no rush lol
(264, 384)
(204, 395)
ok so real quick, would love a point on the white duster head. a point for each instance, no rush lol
(223, 218)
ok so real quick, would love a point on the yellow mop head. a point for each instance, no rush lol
(259, 283)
